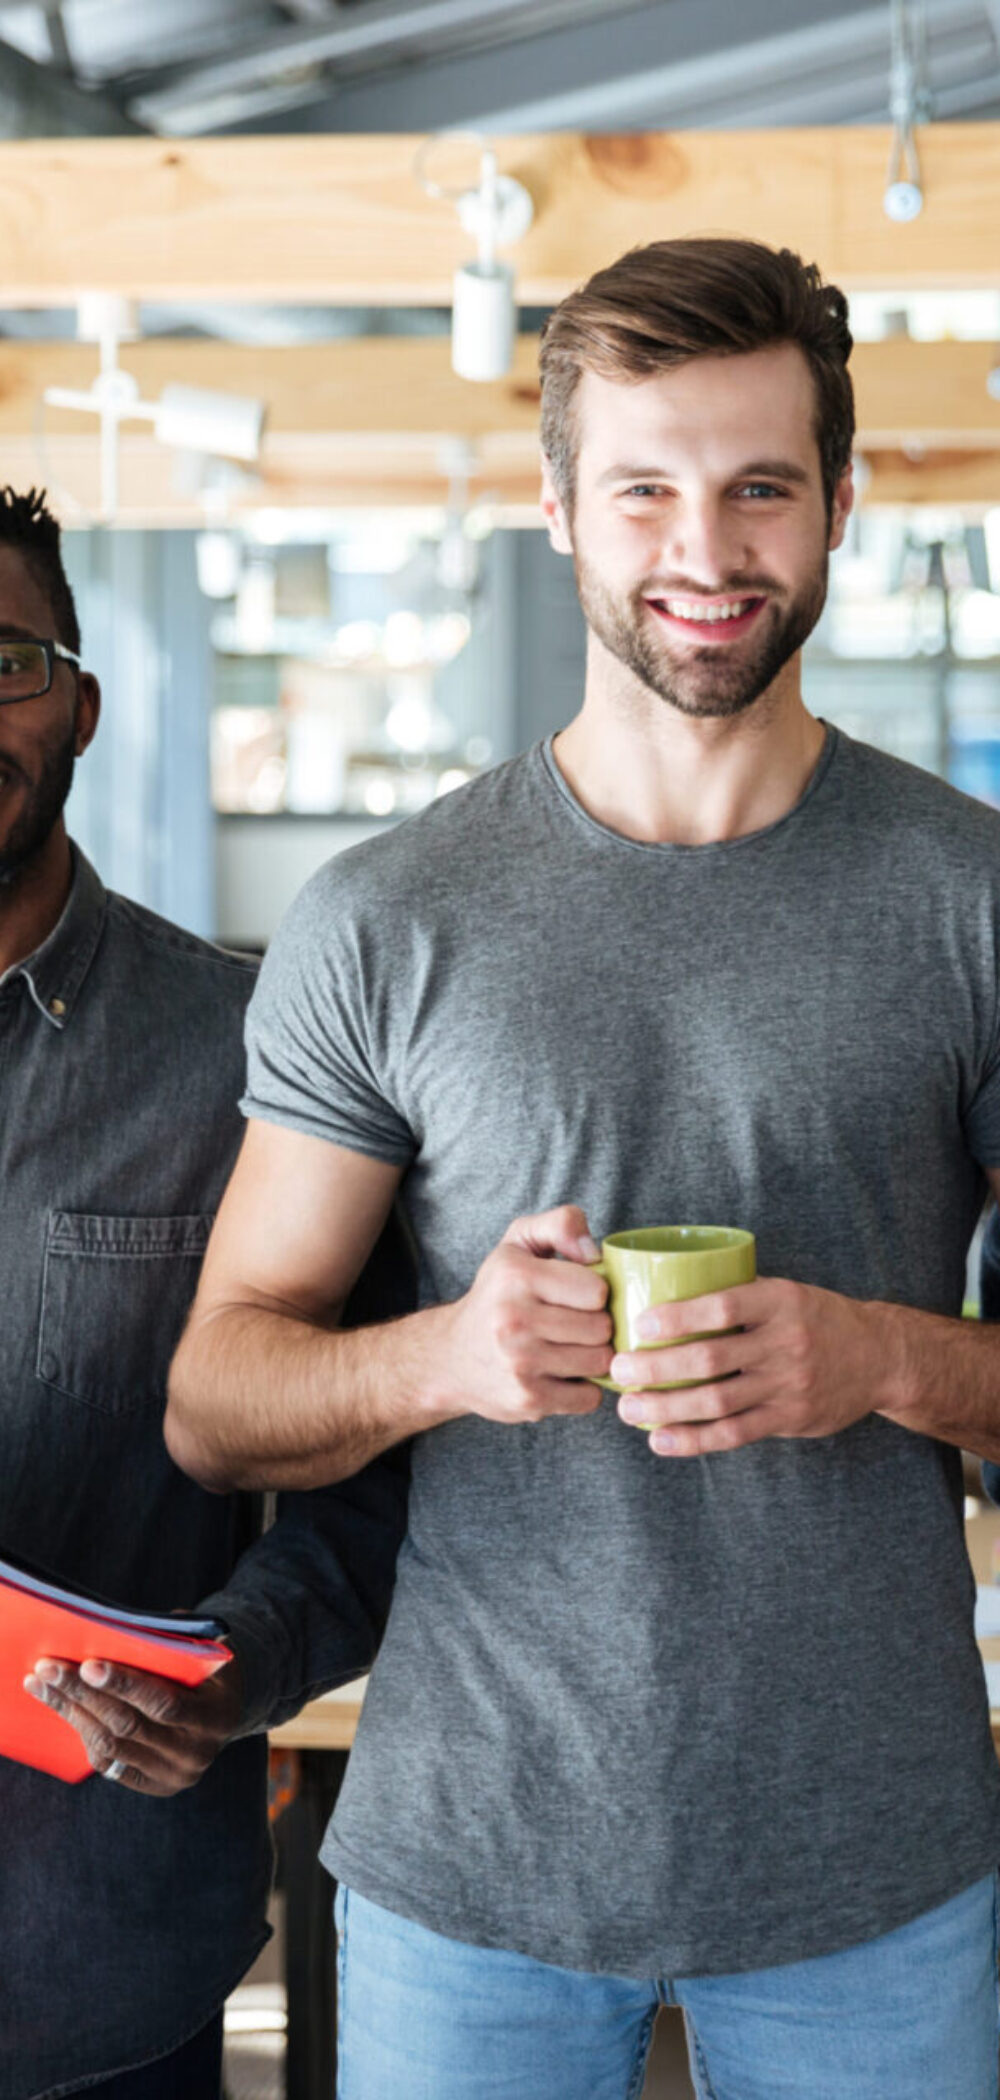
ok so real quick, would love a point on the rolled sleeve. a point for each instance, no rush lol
(312, 1064)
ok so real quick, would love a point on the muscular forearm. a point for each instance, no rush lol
(261, 1398)
(942, 1378)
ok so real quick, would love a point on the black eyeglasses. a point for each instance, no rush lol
(26, 668)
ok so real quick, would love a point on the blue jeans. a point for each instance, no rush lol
(910, 2016)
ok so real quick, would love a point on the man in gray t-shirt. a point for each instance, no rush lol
(688, 1712)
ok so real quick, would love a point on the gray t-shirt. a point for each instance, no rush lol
(636, 1714)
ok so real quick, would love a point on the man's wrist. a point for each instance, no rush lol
(430, 1391)
(904, 1342)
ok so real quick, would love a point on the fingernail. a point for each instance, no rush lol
(647, 1327)
(589, 1248)
(662, 1445)
(35, 1687)
(95, 1673)
(49, 1672)
(623, 1371)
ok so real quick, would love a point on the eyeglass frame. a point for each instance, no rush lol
(52, 650)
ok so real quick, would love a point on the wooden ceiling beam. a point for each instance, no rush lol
(908, 393)
(309, 474)
(342, 220)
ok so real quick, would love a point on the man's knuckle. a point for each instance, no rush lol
(729, 1434)
(800, 1352)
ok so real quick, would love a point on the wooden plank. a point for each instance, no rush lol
(300, 472)
(386, 384)
(970, 481)
(303, 473)
(343, 221)
(934, 394)
(328, 1723)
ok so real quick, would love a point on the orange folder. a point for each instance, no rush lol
(39, 1619)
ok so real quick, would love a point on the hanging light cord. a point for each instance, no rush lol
(908, 104)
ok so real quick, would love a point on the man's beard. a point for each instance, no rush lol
(718, 680)
(44, 803)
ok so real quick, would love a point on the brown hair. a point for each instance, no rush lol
(660, 305)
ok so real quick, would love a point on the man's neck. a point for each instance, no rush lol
(652, 773)
(33, 903)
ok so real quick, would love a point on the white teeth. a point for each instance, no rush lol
(709, 615)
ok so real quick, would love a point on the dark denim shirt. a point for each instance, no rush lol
(124, 1921)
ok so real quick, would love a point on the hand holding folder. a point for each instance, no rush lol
(42, 1618)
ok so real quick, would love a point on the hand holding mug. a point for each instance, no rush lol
(532, 1336)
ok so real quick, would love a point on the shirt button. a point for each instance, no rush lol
(57, 1007)
(49, 1365)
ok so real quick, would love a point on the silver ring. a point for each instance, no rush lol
(116, 1769)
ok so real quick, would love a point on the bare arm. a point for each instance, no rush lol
(265, 1392)
(806, 1363)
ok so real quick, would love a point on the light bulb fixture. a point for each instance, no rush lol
(903, 197)
(196, 419)
(200, 419)
(484, 307)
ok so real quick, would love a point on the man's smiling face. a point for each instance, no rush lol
(40, 738)
(699, 531)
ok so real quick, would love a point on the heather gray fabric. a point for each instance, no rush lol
(632, 1714)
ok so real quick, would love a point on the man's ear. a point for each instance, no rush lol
(843, 504)
(553, 511)
(88, 708)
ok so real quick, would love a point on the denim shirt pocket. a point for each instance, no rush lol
(115, 1295)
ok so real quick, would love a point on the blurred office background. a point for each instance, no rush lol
(282, 678)
(355, 670)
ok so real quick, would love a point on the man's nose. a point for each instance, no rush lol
(702, 544)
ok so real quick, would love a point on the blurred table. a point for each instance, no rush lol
(321, 1735)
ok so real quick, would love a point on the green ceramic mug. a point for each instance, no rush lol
(661, 1264)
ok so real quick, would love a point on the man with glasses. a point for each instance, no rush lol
(126, 1916)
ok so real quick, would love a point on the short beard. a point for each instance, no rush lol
(32, 829)
(704, 685)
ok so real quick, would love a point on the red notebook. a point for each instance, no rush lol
(38, 1617)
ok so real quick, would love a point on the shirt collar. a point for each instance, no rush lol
(56, 971)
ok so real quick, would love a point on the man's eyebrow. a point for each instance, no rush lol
(756, 470)
(623, 472)
(773, 470)
(11, 632)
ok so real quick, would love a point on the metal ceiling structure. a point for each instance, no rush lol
(189, 67)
